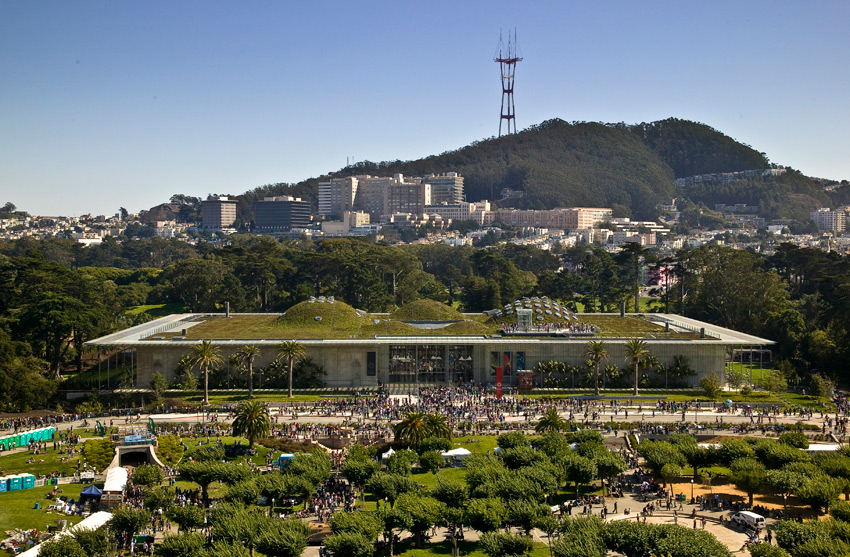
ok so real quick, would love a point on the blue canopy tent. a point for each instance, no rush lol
(90, 492)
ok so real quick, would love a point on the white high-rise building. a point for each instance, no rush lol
(337, 196)
(827, 219)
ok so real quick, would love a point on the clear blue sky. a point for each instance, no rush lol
(110, 104)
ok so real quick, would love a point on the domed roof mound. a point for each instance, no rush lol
(426, 310)
(336, 315)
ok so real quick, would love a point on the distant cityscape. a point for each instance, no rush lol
(381, 206)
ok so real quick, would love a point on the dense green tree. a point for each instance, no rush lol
(62, 546)
(128, 521)
(158, 498)
(349, 544)
(505, 544)
(748, 475)
(431, 461)
(187, 518)
(95, 543)
(580, 537)
(486, 515)
(390, 486)
(418, 513)
(148, 475)
(453, 493)
(181, 545)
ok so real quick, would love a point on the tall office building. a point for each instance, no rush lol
(445, 188)
(219, 212)
(337, 196)
(407, 197)
(386, 195)
(279, 215)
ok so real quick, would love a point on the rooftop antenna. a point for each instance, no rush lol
(507, 55)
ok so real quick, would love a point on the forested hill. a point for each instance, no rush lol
(628, 167)
(691, 149)
(556, 163)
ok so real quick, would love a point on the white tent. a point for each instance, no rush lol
(92, 522)
(116, 480)
(459, 453)
(387, 454)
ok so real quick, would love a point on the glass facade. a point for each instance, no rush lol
(430, 364)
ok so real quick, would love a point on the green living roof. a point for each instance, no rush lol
(315, 320)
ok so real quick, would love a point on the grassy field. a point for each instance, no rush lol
(17, 508)
(758, 397)
(195, 399)
(45, 463)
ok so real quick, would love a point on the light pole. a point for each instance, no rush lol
(271, 510)
(692, 491)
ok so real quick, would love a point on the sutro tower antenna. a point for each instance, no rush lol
(507, 56)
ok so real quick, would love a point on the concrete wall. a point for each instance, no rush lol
(345, 362)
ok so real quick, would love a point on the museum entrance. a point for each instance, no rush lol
(431, 364)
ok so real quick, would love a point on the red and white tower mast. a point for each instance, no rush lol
(507, 57)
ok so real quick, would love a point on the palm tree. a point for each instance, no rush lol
(413, 429)
(438, 426)
(290, 350)
(205, 355)
(252, 421)
(596, 351)
(636, 351)
(551, 421)
(247, 354)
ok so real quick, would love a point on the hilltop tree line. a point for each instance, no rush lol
(630, 168)
(55, 295)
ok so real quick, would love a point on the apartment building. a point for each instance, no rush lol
(829, 220)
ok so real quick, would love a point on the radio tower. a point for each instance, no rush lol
(507, 57)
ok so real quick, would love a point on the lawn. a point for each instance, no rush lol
(817, 403)
(17, 463)
(667, 395)
(17, 508)
(430, 480)
(194, 399)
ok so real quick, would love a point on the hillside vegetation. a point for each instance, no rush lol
(631, 168)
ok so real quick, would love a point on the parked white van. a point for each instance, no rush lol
(747, 519)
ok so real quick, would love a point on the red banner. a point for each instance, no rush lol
(499, 382)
